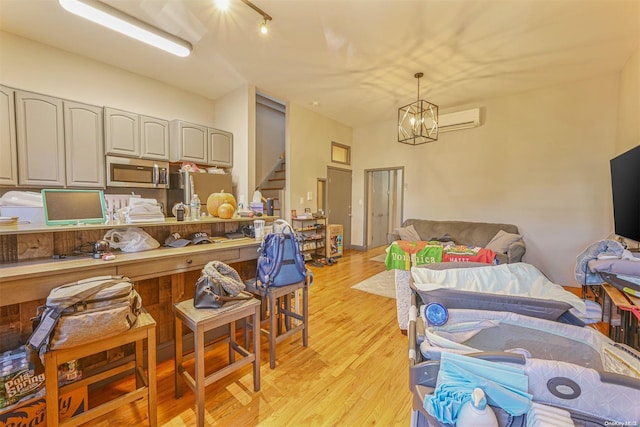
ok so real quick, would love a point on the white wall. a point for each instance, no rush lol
(235, 112)
(308, 144)
(32, 66)
(629, 105)
(539, 160)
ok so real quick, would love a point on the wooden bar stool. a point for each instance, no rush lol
(278, 300)
(144, 329)
(200, 321)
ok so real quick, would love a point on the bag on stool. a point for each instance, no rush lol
(280, 262)
(85, 311)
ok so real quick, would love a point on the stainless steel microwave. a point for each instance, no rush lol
(137, 173)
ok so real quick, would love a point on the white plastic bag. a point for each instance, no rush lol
(130, 239)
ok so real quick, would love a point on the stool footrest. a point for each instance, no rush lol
(288, 333)
(228, 369)
(105, 408)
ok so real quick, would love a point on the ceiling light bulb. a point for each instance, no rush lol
(113, 19)
(263, 27)
(222, 4)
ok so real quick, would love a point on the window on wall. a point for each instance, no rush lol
(340, 153)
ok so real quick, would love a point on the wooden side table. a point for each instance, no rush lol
(200, 321)
(144, 329)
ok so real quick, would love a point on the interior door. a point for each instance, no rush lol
(379, 208)
(383, 208)
(339, 201)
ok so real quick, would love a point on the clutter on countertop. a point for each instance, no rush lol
(130, 239)
(21, 198)
(216, 200)
(256, 203)
(190, 167)
(142, 210)
(215, 170)
(25, 205)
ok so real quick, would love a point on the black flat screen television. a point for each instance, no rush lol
(625, 186)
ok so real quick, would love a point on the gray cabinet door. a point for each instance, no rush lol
(40, 138)
(83, 138)
(189, 143)
(121, 132)
(154, 138)
(220, 148)
(9, 159)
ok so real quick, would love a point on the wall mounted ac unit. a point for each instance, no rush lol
(459, 120)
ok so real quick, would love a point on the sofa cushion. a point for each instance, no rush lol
(408, 233)
(502, 240)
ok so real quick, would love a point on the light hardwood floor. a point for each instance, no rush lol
(353, 373)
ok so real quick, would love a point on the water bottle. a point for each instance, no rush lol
(195, 207)
(476, 412)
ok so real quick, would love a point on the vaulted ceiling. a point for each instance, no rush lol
(355, 59)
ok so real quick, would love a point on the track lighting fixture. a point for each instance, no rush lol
(265, 16)
(116, 20)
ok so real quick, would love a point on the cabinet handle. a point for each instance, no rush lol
(189, 261)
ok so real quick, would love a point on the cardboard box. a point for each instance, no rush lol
(334, 240)
(32, 412)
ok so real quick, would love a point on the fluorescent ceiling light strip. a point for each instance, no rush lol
(113, 19)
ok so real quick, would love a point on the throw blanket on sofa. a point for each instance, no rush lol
(402, 254)
(461, 253)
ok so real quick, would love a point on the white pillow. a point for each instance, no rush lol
(408, 233)
(501, 241)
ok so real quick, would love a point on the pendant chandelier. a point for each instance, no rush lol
(418, 121)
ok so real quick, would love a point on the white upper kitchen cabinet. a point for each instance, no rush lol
(83, 145)
(9, 159)
(40, 140)
(220, 148)
(121, 132)
(154, 138)
(189, 142)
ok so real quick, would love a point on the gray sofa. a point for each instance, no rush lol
(467, 233)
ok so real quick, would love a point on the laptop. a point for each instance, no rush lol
(73, 207)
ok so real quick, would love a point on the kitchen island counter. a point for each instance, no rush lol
(34, 260)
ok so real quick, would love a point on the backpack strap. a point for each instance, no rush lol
(50, 315)
(272, 245)
(298, 259)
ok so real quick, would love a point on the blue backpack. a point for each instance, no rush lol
(280, 262)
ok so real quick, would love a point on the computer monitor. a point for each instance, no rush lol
(73, 207)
